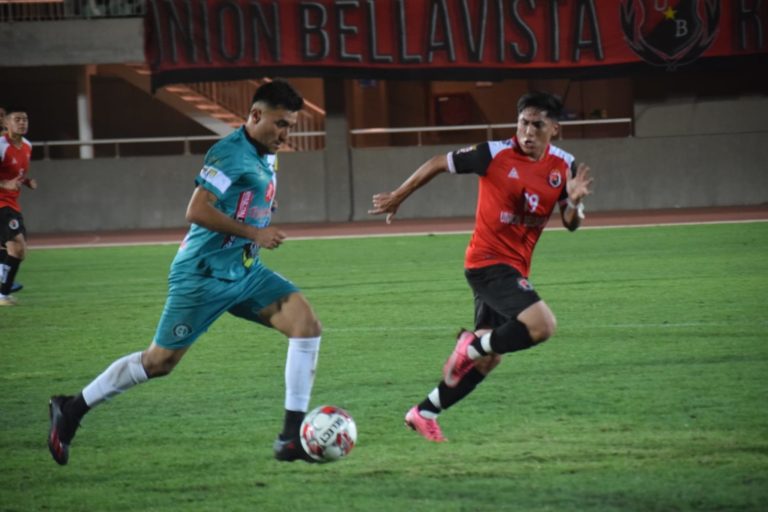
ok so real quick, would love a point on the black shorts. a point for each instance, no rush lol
(11, 224)
(501, 293)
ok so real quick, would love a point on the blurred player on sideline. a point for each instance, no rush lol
(521, 180)
(217, 270)
(15, 153)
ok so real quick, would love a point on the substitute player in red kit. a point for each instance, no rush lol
(521, 182)
(15, 153)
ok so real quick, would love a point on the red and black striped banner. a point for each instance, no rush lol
(197, 40)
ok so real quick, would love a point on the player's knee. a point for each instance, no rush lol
(16, 249)
(543, 330)
(312, 328)
(159, 369)
(158, 366)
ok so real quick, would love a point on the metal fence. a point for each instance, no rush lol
(56, 10)
(121, 147)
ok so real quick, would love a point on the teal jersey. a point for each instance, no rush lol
(244, 184)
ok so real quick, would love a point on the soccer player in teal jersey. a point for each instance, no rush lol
(217, 270)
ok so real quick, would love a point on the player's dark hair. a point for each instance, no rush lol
(14, 108)
(543, 101)
(278, 94)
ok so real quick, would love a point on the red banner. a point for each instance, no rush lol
(197, 40)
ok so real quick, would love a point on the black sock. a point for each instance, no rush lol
(449, 396)
(76, 407)
(511, 337)
(12, 265)
(291, 424)
(427, 405)
(478, 345)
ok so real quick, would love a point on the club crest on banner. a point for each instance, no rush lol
(670, 33)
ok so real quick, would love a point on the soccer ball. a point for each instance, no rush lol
(328, 433)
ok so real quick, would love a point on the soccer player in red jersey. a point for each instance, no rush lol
(15, 153)
(521, 181)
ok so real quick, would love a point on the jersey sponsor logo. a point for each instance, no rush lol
(529, 221)
(509, 218)
(524, 284)
(555, 178)
(241, 212)
(513, 174)
(216, 178)
(269, 195)
(261, 216)
(242, 205)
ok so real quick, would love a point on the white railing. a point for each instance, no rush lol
(116, 143)
(303, 135)
(488, 128)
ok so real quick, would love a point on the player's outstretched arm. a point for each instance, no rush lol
(577, 187)
(389, 202)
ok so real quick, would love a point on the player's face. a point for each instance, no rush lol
(17, 123)
(534, 131)
(271, 126)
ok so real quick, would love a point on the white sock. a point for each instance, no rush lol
(485, 342)
(434, 397)
(300, 367)
(121, 375)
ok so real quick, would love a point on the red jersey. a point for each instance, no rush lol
(516, 198)
(14, 162)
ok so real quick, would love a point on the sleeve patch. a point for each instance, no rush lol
(215, 177)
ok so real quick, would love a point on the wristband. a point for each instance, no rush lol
(578, 207)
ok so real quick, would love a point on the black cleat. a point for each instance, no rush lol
(62, 429)
(289, 450)
(16, 287)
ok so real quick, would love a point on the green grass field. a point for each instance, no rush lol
(652, 396)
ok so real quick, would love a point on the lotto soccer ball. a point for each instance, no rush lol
(328, 433)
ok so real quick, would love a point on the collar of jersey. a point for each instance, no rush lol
(261, 149)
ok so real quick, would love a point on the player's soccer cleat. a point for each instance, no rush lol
(62, 429)
(429, 429)
(459, 363)
(289, 450)
(16, 287)
(7, 300)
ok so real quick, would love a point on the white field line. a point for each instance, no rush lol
(388, 235)
(450, 329)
